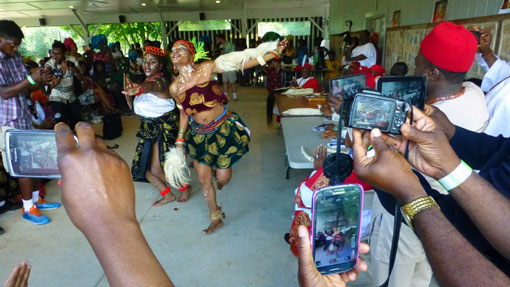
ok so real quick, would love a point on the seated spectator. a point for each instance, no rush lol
(333, 66)
(306, 81)
(100, 42)
(399, 69)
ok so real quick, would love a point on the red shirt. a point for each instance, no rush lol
(311, 83)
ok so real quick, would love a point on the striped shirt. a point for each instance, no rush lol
(14, 112)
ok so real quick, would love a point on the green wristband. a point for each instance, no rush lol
(32, 82)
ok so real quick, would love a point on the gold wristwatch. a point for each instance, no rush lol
(412, 208)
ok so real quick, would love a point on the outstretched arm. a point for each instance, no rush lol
(101, 177)
(247, 59)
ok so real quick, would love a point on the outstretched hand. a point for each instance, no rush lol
(429, 149)
(281, 46)
(308, 274)
(130, 89)
(387, 170)
(95, 175)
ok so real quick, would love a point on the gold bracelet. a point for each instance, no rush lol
(412, 208)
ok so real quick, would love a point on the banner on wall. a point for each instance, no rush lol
(505, 8)
(440, 11)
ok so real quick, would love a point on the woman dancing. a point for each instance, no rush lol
(158, 124)
(218, 138)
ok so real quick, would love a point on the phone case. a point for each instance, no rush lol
(40, 156)
(312, 241)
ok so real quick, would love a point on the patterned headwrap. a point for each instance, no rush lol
(68, 42)
(196, 49)
(95, 40)
(155, 51)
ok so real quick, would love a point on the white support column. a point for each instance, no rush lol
(173, 28)
(245, 26)
(164, 37)
(86, 36)
(325, 24)
(315, 24)
(95, 29)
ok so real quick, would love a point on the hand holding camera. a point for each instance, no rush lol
(399, 180)
(429, 149)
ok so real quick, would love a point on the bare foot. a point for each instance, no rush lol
(215, 224)
(184, 195)
(169, 197)
(219, 185)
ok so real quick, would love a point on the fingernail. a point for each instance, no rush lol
(352, 276)
(376, 133)
(302, 231)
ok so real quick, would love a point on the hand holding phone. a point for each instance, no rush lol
(308, 274)
(336, 222)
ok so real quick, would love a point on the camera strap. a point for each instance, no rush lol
(397, 223)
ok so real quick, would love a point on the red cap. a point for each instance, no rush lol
(307, 66)
(298, 68)
(450, 47)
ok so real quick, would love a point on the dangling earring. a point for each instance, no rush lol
(175, 68)
(193, 64)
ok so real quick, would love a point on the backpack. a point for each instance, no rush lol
(112, 126)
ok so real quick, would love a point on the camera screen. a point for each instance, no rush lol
(337, 219)
(372, 113)
(35, 154)
(408, 91)
(347, 87)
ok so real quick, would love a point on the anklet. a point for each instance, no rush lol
(164, 192)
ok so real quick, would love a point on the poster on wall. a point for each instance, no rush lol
(505, 8)
(440, 11)
(396, 19)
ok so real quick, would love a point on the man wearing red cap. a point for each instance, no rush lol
(307, 81)
(446, 54)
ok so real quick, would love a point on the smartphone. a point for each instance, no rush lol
(477, 35)
(412, 89)
(336, 221)
(31, 153)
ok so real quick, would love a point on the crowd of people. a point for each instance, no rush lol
(452, 240)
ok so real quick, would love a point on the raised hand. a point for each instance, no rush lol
(308, 274)
(320, 156)
(93, 174)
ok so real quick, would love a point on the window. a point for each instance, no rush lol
(205, 25)
(285, 28)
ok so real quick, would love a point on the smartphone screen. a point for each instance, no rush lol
(32, 153)
(336, 227)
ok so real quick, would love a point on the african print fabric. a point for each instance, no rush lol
(221, 148)
(162, 130)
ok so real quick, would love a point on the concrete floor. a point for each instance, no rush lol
(248, 250)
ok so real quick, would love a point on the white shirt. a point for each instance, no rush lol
(495, 74)
(498, 104)
(151, 106)
(368, 50)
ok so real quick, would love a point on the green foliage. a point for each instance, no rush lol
(38, 41)
(126, 34)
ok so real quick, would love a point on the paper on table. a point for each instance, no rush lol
(302, 112)
(298, 92)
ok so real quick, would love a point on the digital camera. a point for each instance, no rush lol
(370, 111)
